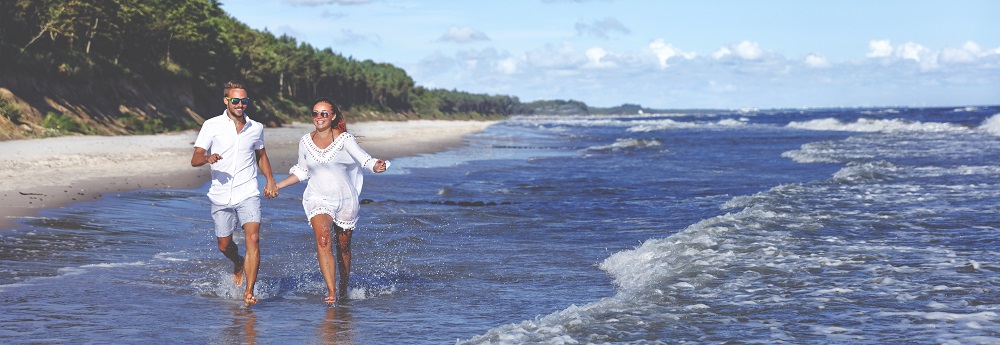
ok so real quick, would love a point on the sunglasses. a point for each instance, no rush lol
(321, 114)
(235, 101)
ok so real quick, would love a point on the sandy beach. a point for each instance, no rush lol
(47, 173)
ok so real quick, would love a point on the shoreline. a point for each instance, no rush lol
(52, 173)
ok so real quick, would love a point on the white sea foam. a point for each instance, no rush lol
(965, 109)
(627, 143)
(865, 125)
(666, 124)
(72, 271)
(171, 256)
(991, 125)
(641, 123)
(68, 271)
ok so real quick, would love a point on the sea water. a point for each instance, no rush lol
(852, 225)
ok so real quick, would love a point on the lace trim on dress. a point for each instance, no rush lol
(323, 210)
(330, 152)
(371, 160)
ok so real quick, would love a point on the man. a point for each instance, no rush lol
(232, 143)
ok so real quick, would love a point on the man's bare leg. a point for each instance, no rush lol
(232, 252)
(321, 225)
(344, 259)
(252, 261)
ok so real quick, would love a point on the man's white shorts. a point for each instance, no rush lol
(229, 217)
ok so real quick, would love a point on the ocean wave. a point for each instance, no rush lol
(866, 172)
(795, 249)
(665, 124)
(627, 143)
(865, 125)
(818, 152)
(642, 123)
(954, 146)
(991, 125)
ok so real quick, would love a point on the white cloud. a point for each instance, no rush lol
(969, 52)
(885, 51)
(817, 61)
(745, 50)
(507, 66)
(879, 49)
(721, 53)
(748, 50)
(463, 35)
(595, 56)
(664, 52)
(735, 75)
(912, 51)
(907, 51)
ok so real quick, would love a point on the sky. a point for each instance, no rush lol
(666, 54)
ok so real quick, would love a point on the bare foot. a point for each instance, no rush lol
(238, 273)
(249, 299)
(330, 300)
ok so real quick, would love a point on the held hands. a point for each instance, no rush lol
(271, 190)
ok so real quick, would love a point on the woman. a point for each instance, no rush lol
(331, 160)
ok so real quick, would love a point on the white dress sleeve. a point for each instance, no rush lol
(359, 154)
(301, 168)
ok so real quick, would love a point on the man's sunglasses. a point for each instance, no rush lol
(235, 101)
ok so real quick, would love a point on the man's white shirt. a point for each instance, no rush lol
(234, 177)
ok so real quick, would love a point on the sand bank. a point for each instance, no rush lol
(55, 172)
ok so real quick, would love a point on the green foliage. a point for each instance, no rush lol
(9, 110)
(196, 40)
(558, 107)
(467, 103)
(62, 123)
(141, 125)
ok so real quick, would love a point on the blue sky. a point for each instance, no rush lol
(667, 54)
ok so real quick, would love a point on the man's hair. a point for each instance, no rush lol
(232, 84)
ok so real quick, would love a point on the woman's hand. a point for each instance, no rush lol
(381, 166)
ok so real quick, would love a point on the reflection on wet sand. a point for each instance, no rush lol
(336, 327)
(243, 330)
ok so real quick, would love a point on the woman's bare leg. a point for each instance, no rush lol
(321, 225)
(343, 258)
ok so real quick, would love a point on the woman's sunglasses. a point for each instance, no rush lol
(321, 114)
(235, 101)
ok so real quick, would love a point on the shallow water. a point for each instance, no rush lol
(797, 226)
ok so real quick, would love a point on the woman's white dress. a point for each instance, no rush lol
(334, 178)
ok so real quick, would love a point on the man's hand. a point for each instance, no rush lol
(271, 190)
(199, 157)
(215, 157)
